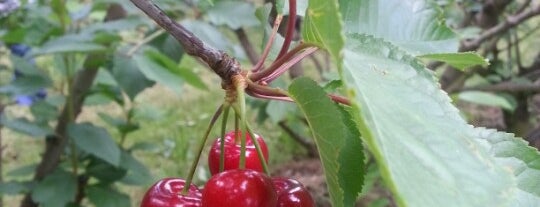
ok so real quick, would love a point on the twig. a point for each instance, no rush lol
(523, 6)
(55, 144)
(303, 141)
(502, 27)
(221, 63)
(144, 41)
(246, 44)
(510, 87)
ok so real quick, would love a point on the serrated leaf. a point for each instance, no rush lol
(96, 141)
(234, 14)
(428, 155)
(351, 159)
(416, 26)
(459, 61)
(485, 98)
(185, 73)
(328, 130)
(522, 160)
(57, 189)
(105, 196)
(323, 26)
(26, 126)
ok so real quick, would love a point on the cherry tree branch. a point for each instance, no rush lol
(502, 27)
(221, 63)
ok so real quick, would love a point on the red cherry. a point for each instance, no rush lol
(167, 193)
(292, 193)
(239, 188)
(232, 153)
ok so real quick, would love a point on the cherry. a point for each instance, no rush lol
(291, 193)
(167, 193)
(239, 188)
(232, 153)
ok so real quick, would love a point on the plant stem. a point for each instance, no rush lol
(257, 147)
(283, 68)
(222, 140)
(280, 61)
(239, 106)
(289, 33)
(200, 149)
(144, 41)
(259, 66)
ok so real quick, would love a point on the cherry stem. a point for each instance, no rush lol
(283, 68)
(239, 106)
(199, 150)
(265, 92)
(278, 62)
(266, 51)
(222, 140)
(277, 98)
(257, 147)
(291, 27)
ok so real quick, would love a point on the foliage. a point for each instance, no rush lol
(68, 56)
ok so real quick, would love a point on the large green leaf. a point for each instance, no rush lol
(185, 73)
(523, 161)
(26, 126)
(328, 130)
(323, 26)
(429, 156)
(57, 189)
(156, 72)
(96, 141)
(414, 25)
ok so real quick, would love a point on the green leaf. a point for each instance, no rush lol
(323, 26)
(415, 26)
(57, 189)
(26, 85)
(26, 126)
(234, 14)
(185, 73)
(137, 173)
(14, 187)
(459, 61)
(96, 141)
(485, 98)
(351, 159)
(105, 196)
(23, 171)
(212, 36)
(328, 130)
(522, 160)
(127, 74)
(104, 171)
(43, 111)
(155, 72)
(427, 153)
(69, 44)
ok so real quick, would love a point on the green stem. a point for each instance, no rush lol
(200, 149)
(222, 140)
(240, 108)
(257, 147)
(68, 62)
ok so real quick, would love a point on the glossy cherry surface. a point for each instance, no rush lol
(292, 193)
(239, 188)
(167, 193)
(232, 153)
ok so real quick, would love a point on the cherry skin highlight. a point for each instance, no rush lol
(239, 188)
(292, 193)
(167, 193)
(232, 153)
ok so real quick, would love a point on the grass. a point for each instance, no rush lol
(173, 123)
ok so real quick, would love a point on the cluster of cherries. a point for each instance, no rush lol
(233, 187)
